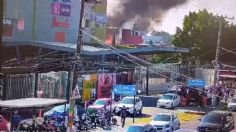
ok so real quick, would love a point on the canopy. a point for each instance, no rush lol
(33, 103)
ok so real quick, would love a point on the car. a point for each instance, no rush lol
(232, 104)
(169, 100)
(3, 124)
(100, 104)
(63, 110)
(216, 122)
(165, 122)
(140, 128)
(128, 102)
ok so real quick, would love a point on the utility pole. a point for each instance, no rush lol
(75, 68)
(1, 35)
(1, 46)
(218, 49)
(78, 48)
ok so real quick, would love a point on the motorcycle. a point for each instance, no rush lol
(83, 122)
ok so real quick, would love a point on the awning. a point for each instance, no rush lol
(98, 51)
(32, 103)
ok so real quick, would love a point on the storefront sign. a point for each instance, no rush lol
(64, 1)
(124, 89)
(21, 24)
(7, 27)
(57, 23)
(61, 9)
(196, 83)
(98, 18)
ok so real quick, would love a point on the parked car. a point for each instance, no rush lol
(100, 104)
(3, 124)
(165, 122)
(63, 110)
(232, 104)
(128, 102)
(169, 100)
(140, 128)
(217, 122)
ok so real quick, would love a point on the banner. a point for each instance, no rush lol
(105, 83)
(89, 87)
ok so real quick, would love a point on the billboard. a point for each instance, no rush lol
(105, 84)
(89, 87)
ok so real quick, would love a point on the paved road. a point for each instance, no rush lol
(187, 120)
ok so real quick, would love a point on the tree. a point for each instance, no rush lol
(166, 58)
(200, 31)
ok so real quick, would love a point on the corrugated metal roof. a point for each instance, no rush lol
(97, 51)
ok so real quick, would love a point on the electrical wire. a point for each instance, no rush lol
(230, 51)
(132, 56)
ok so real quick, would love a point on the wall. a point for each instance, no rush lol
(38, 20)
(205, 74)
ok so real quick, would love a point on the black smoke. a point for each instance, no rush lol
(143, 11)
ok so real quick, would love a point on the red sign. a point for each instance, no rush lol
(57, 23)
(21, 24)
(60, 37)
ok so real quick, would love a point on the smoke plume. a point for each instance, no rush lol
(144, 13)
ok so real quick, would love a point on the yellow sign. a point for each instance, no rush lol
(89, 87)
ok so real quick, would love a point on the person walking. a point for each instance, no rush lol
(123, 115)
(15, 121)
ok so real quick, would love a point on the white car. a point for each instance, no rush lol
(232, 104)
(165, 122)
(128, 103)
(169, 100)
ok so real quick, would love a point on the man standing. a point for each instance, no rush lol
(123, 115)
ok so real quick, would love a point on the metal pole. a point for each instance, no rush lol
(1, 46)
(134, 109)
(147, 79)
(68, 85)
(36, 85)
(1, 35)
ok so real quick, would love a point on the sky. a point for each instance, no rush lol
(174, 17)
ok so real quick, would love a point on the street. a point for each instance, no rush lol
(188, 121)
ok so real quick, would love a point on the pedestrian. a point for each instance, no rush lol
(15, 121)
(123, 115)
(205, 102)
(209, 97)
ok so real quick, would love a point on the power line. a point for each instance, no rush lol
(230, 51)
(120, 51)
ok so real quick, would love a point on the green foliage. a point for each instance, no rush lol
(201, 30)
(166, 58)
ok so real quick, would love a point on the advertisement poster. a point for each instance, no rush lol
(89, 87)
(105, 83)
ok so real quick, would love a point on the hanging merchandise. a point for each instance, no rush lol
(53, 84)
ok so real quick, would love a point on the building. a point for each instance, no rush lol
(41, 20)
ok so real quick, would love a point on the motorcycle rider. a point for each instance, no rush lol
(123, 115)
